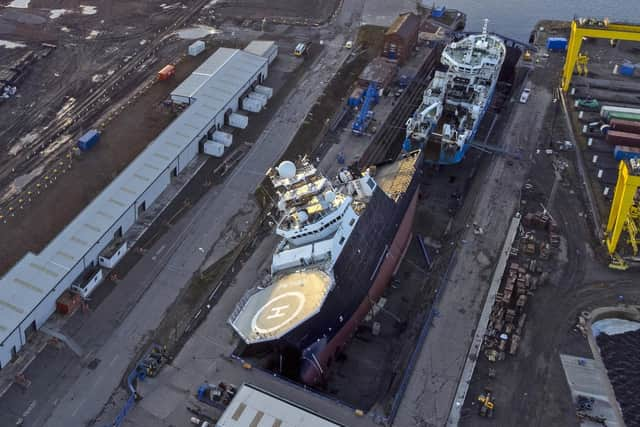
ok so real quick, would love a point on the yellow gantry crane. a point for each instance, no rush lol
(625, 212)
(581, 64)
(597, 29)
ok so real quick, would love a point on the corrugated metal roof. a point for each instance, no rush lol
(230, 70)
(223, 73)
(254, 407)
(260, 47)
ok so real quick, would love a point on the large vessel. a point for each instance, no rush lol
(342, 240)
(456, 99)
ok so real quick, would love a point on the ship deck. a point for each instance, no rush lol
(293, 298)
(394, 178)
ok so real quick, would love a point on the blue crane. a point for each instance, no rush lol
(361, 122)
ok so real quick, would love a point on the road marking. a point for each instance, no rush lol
(73, 414)
(29, 409)
(159, 251)
(114, 359)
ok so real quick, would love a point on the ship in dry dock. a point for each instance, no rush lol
(342, 240)
(457, 98)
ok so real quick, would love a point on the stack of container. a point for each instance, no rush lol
(623, 131)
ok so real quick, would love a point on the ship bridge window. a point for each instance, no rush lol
(371, 183)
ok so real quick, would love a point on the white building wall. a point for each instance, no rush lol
(5, 349)
(187, 155)
(70, 277)
(155, 189)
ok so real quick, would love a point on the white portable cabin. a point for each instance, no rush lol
(196, 48)
(265, 90)
(259, 96)
(213, 148)
(113, 254)
(251, 105)
(224, 138)
(238, 121)
(86, 287)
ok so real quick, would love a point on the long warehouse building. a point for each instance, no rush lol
(28, 292)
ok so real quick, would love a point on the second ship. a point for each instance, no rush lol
(456, 100)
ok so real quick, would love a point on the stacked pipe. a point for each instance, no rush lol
(622, 131)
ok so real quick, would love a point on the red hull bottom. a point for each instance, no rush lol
(314, 372)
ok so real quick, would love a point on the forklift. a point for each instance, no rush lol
(487, 403)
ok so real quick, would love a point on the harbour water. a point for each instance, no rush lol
(516, 18)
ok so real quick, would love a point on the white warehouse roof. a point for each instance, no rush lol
(220, 76)
(261, 47)
(36, 276)
(254, 407)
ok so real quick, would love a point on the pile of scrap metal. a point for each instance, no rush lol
(522, 278)
(218, 395)
(150, 364)
(508, 314)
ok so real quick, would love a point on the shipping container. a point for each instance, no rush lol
(621, 152)
(88, 140)
(612, 108)
(167, 72)
(438, 12)
(258, 96)
(628, 139)
(615, 115)
(238, 121)
(251, 105)
(68, 302)
(625, 125)
(212, 148)
(556, 43)
(265, 90)
(626, 70)
(196, 48)
(224, 138)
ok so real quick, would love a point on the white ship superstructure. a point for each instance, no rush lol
(455, 100)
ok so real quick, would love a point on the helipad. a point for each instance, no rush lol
(272, 312)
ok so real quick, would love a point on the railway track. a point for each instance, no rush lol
(387, 142)
(77, 115)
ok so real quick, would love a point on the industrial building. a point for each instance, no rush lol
(253, 406)
(93, 242)
(401, 37)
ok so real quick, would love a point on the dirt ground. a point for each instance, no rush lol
(313, 11)
(126, 136)
(32, 216)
